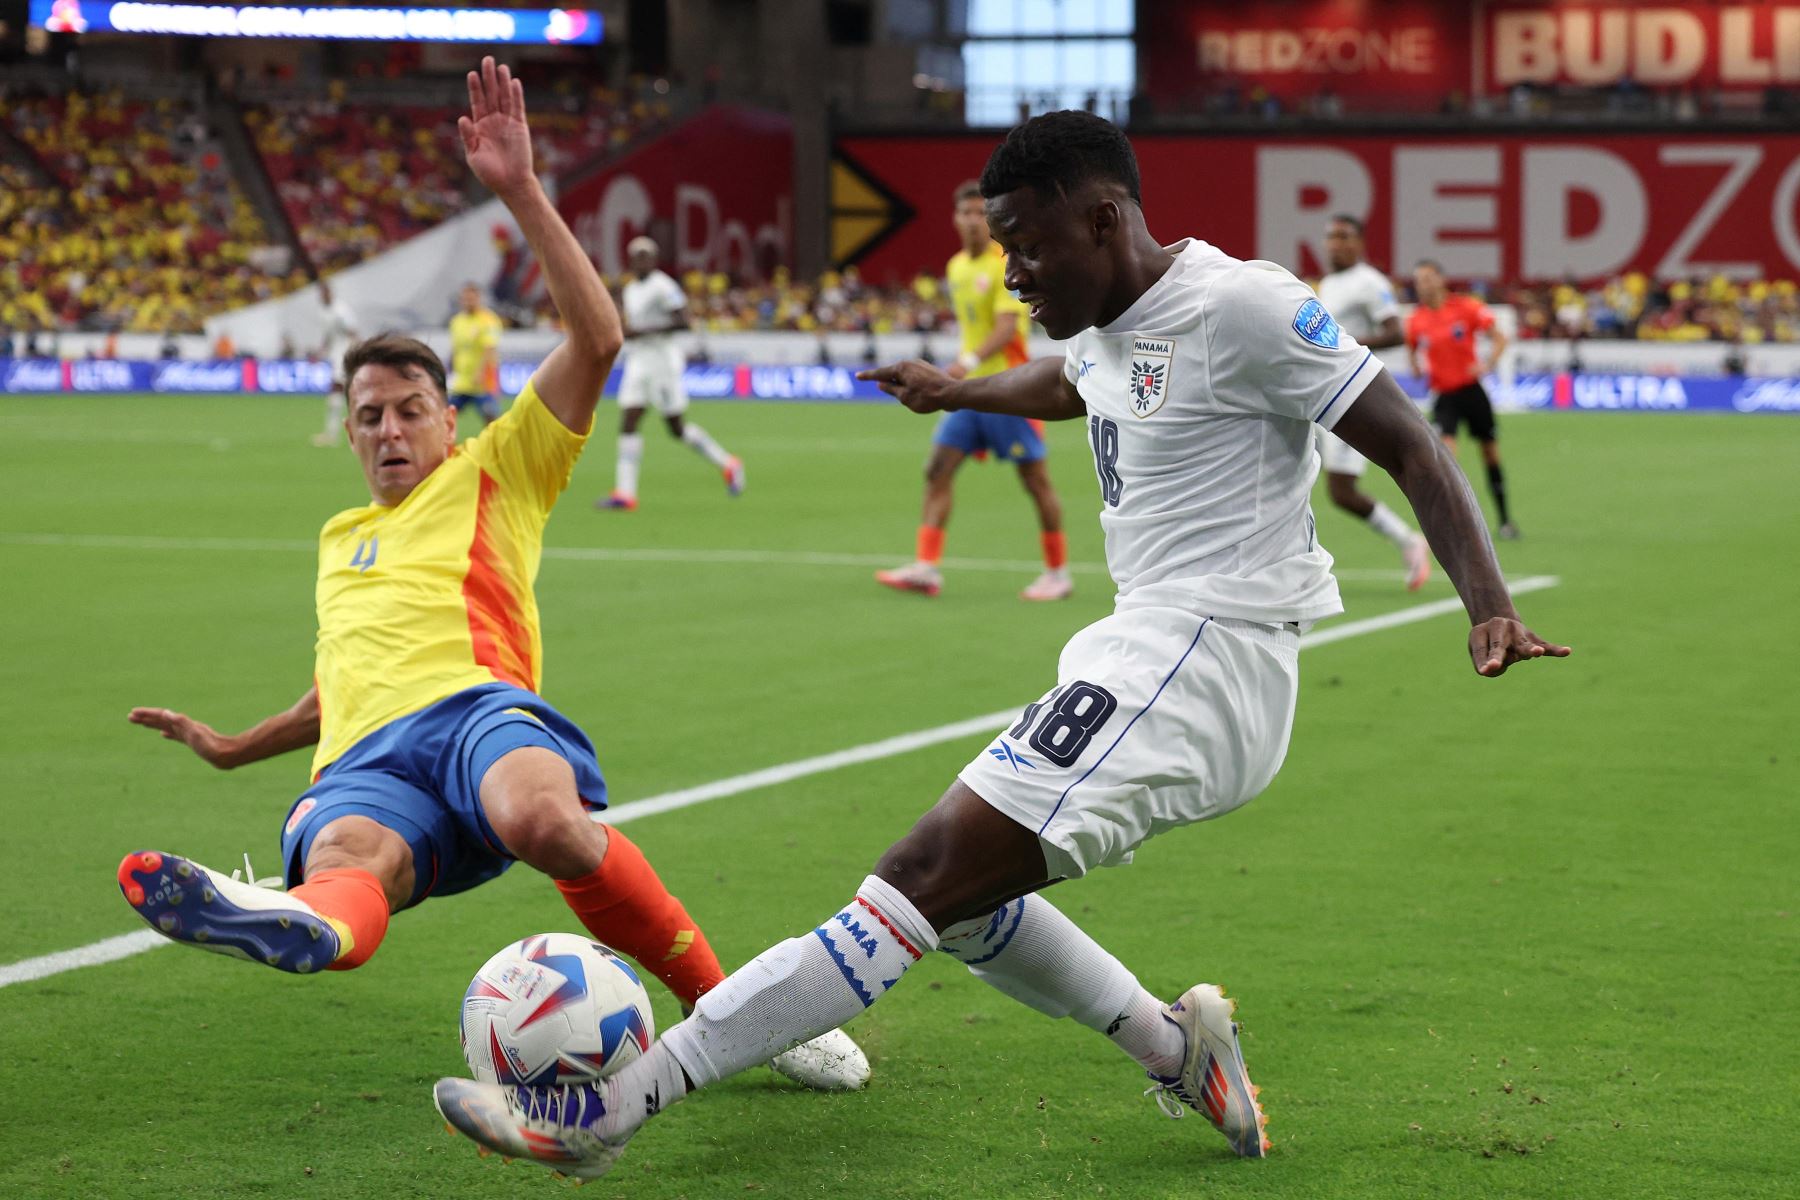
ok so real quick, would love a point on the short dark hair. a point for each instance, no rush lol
(398, 351)
(1433, 263)
(1347, 219)
(1059, 151)
(968, 189)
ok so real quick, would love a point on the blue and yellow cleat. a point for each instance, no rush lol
(186, 902)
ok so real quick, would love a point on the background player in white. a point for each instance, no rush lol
(655, 310)
(341, 332)
(1361, 300)
(1201, 378)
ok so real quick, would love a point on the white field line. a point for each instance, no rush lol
(623, 554)
(126, 945)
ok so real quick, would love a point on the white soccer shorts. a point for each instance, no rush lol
(653, 380)
(1339, 458)
(1159, 718)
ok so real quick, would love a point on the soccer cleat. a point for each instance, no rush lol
(1053, 584)
(734, 475)
(186, 902)
(618, 501)
(558, 1127)
(830, 1062)
(919, 577)
(1509, 532)
(1418, 562)
(1213, 1080)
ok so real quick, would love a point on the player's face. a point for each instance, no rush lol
(643, 262)
(400, 427)
(1343, 246)
(1429, 284)
(471, 299)
(1053, 261)
(971, 221)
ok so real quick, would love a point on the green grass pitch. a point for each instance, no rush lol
(1528, 937)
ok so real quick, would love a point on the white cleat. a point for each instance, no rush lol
(1213, 1080)
(830, 1062)
(1053, 584)
(561, 1128)
(919, 577)
(1418, 562)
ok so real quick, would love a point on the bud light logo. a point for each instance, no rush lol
(216, 376)
(709, 382)
(293, 375)
(514, 376)
(100, 375)
(34, 375)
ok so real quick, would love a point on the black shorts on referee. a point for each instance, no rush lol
(1467, 404)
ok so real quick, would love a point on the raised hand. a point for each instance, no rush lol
(1499, 642)
(201, 738)
(918, 385)
(496, 139)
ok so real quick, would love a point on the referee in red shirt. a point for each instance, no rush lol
(1444, 326)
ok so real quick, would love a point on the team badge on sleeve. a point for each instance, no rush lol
(1151, 360)
(1316, 325)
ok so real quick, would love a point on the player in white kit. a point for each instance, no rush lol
(341, 332)
(655, 311)
(1361, 300)
(1201, 379)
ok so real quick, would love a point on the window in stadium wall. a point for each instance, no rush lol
(1031, 56)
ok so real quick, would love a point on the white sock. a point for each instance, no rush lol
(803, 987)
(703, 444)
(1033, 953)
(1387, 523)
(334, 414)
(625, 474)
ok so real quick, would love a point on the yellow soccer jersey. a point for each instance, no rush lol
(473, 338)
(978, 294)
(434, 595)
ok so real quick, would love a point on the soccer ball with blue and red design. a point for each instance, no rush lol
(554, 1008)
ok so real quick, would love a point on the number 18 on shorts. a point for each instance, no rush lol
(1159, 718)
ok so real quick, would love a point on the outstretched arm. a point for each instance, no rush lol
(294, 729)
(497, 142)
(1038, 389)
(1384, 427)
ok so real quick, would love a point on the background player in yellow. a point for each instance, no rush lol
(438, 764)
(994, 328)
(475, 356)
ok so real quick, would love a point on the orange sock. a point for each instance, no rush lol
(931, 544)
(1056, 549)
(624, 904)
(355, 904)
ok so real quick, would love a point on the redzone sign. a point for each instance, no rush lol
(1487, 208)
(1724, 45)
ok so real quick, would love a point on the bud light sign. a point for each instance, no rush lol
(32, 375)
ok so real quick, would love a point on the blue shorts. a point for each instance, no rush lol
(484, 403)
(1014, 438)
(421, 776)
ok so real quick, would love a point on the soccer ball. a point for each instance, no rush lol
(554, 1008)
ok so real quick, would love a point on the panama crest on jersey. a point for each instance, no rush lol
(1151, 361)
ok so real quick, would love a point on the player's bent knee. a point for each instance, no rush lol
(364, 844)
(963, 859)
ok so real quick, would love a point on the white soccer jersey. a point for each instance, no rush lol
(1359, 298)
(651, 303)
(1202, 399)
(340, 334)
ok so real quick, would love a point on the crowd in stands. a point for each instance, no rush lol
(135, 224)
(357, 178)
(1750, 312)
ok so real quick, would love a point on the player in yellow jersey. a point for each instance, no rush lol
(993, 325)
(437, 763)
(475, 356)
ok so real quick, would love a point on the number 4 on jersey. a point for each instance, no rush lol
(364, 558)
